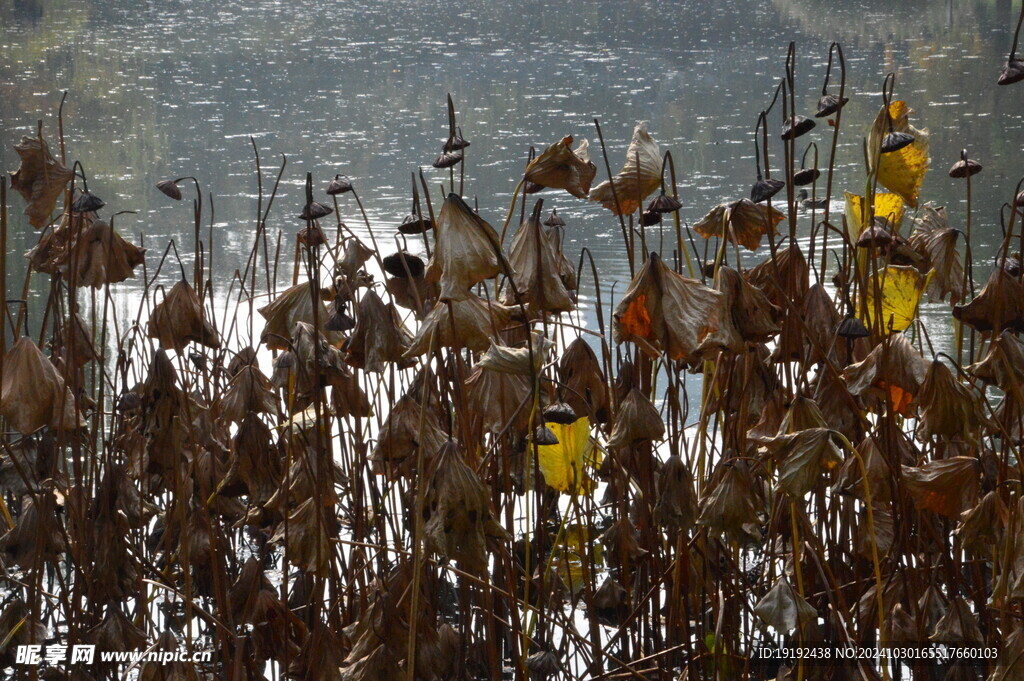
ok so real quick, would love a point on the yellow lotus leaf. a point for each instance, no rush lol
(901, 288)
(568, 557)
(562, 464)
(888, 206)
(901, 171)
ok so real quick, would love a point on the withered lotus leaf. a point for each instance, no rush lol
(784, 609)
(745, 315)
(583, 381)
(256, 462)
(675, 508)
(638, 179)
(820, 320)
(850, 477)
(731, 503)
(947, 486)
(355, 256)
(742, 222)
(292, 306)
(982, 527)
(33, 394)
(1004, 363)
(500, 399)
(559, 167)
(40, 179)
(562, 463)
(892, 297)
(622, 543)
(154, 670)
(935, 240)
(402, 435)
(249, 392)
(903, 170)
(784, 278)
(802, 458)
(894, 369)
(958, 625)
(466, 251)
(467, 323)
(97, 253)
(18, 627)
(999, 305)
(948, 408)
(179, 318)
(535, 270)
(663, 311)
(506, 360)
(457, 512)
(637, 420)
(306, 535)
(379, 336)
(35, 534)
(116, 632)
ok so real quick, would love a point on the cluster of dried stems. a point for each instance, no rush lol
(447, 476)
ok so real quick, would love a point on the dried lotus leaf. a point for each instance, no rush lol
(638, 179)
(40, 179)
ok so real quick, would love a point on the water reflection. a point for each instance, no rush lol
(176, 88)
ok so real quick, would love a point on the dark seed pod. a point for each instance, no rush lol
(198, 360)
(876, 236)
(543, 435)
(339, 321)
(532, 187)
(664, 204)
(765, 189)
(456, 142)
(402, 264)
(447, 159)
(560, 412)
(339, 185)
(965, 167)
(805, 176)
(650, 218)
(554, 219)
(1013, 72)
(895, 141)
(829, 104)
(87, 202)
(170, 189)
(851, 327)
(413, 224)
(315, 211)
(797, 126)
(129, 401)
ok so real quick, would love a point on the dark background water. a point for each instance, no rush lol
(176, 87)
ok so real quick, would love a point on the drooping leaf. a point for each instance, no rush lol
(900, 171)
(563, 464)
(466, 251)
(743, 222)
(888, 206)
(784, 609)
(639, 177)
(559, 167)
(40, 179)
(947, 486)
(900, 288)
(802, 458)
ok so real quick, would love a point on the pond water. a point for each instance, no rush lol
(171, 88)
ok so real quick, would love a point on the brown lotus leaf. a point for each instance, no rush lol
(1008, 584)
(466, 251)
(841, 410)
(535, 271)
(803, 414)
(321, 656)
(948, 408)
(622, 542)
(636, 420)
(179, 319)
(468, 323)
(292, 306)
(353, 258)
(958, 625)
(820, 319)
(256, 462)
(18, 627)
(307, 538)
(769, 419)
(36, 536)
(884, 531)
(407, 428)
(1009, 416)
(565, 268)
(501, 400)
(349, 399)
(100, 256)
(730, 504)
(982, 527)
(675, 508)
(744, 387)
(935, 241)
(639, 177)
(73, 346)
(457, 512)
(379, 336)
(583, 382)
(802, 458)
(999, 305)
(506, 360)
(543, 664)
(33, 394)
(1004, 363)
(745, 314)
(901, 626)
(1010, 663)
(611, 602)
(116, 632)
(850, 477)
(947, 486)
(315, 356)
(784, 278)
(306, 479)
(663, 311)
(894, 369)
(784, 609)
(249, 392)
(742, 222)
(559, 167)
(40, 179)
